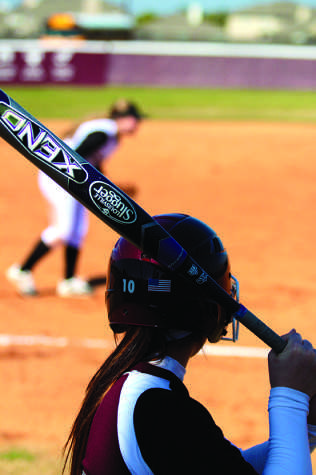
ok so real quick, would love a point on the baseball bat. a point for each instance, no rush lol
(109, 203)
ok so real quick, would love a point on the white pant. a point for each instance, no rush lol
(68, 217)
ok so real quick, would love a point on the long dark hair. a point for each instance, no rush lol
(138, 344)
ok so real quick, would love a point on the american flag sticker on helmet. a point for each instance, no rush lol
(159, 285)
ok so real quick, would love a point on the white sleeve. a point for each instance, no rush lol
(289, 446)
(257, 456)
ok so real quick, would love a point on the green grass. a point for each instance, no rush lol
(16, 454)
(17, 461)
(166, 103)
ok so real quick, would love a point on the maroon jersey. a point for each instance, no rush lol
(154, 426)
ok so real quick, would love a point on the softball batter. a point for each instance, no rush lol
(95, 140)
(138, 417)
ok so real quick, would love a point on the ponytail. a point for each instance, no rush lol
(138, 344)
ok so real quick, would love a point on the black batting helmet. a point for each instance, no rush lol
(142, 292)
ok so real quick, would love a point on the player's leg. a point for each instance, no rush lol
(75, 232)
(20, 275)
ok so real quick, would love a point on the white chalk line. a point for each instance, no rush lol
(8, 340)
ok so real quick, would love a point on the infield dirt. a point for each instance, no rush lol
(254, 183)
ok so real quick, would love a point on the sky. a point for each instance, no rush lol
(137, 7)
(169, 6)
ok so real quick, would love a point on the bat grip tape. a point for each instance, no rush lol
(260, 329)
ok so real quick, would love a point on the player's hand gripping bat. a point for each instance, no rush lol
(86, 184)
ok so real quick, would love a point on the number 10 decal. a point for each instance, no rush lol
(128, 286)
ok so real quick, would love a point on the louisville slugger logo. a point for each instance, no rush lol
(200, 277)
(112, 203)
(41, 144)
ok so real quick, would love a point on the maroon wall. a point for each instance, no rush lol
(65, 66)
